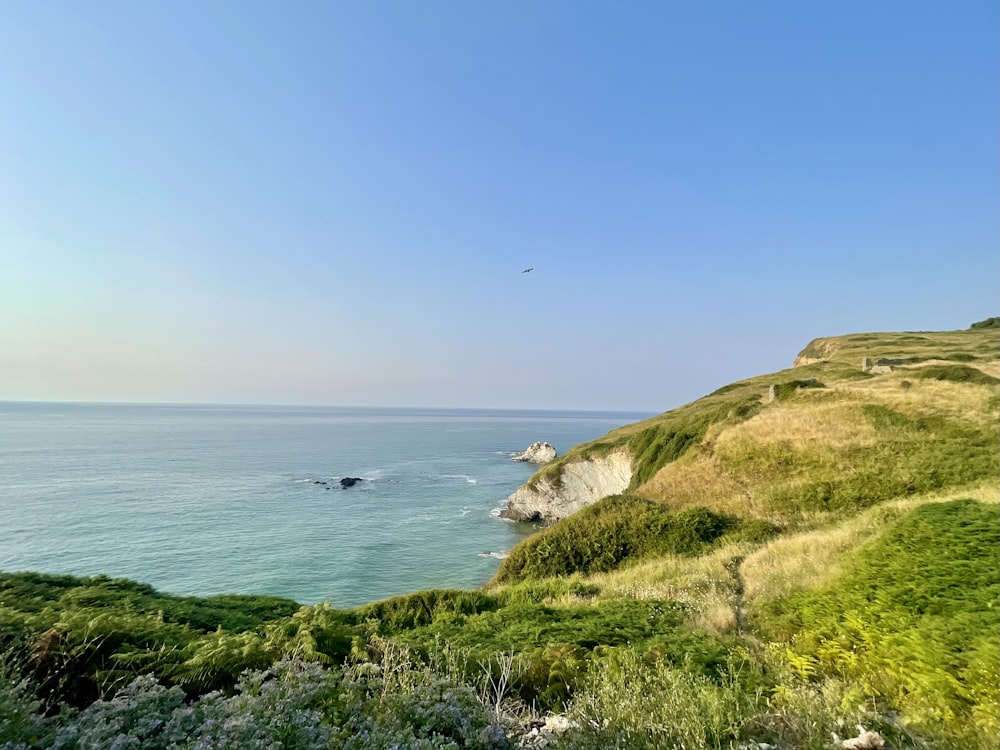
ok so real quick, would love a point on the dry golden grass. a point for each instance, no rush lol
(708, 587)
(804, 425)
(961, 401)
(704, 584)
(798, 431)
(852, 348)
(805, 560)
(697, 481)
(794, 443)
(990, 368)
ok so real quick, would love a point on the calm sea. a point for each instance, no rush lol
(205, 500)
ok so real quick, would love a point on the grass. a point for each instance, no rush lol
(38, 592)
(705, 585)
(711, 589)
(618, 530)
(848, 446)
(777, 572)
(809, 559)
(956, 374)
(912, 617)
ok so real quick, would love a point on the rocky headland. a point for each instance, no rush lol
(581, 483)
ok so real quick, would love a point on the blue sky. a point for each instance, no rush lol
(332, 202)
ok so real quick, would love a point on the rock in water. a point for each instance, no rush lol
(537, 453)
(350, 481)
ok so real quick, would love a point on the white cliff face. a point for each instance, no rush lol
(583, 483)
(537, 453)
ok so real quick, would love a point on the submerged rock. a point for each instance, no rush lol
(536, 453)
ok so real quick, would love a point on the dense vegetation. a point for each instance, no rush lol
(797, 554)
(619, 529)
(913, 619)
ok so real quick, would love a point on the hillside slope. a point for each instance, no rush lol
(819, 436)
(783, 560)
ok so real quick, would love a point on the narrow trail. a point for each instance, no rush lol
(733, 567)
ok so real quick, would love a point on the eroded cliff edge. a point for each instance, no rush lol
(580, 483)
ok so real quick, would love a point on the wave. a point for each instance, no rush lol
(495, 555)
(496, 514)
(466, 477)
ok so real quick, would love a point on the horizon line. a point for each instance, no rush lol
(244, 404)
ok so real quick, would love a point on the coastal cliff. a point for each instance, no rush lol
(774, 446)
(581, 483)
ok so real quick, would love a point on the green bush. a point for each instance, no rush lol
(913, 618)
(421, 608)
(34, 592)
(783, 391)
(955, 374)
(545, 590)
(608, 533)
(988, 323)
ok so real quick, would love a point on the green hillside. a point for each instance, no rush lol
(798, 553)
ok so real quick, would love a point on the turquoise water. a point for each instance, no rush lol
(205, 500)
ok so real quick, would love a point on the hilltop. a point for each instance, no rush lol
(800, 443)
(788, 557)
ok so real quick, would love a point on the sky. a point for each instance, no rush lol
(333, 202)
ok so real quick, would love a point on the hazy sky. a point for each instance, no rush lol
(332, 202)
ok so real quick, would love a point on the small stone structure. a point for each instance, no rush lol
(882, 365)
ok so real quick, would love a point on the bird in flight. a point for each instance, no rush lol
(527, 270)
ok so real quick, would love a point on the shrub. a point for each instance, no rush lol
(955, 374)
(294, 705)
(21, 720)
(421, 608)
(436, 714)
(988, 323)
(628, 702)
(608, 533)
(783, 391)
(913, 618)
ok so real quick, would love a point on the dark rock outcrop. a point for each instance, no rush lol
(350, 481)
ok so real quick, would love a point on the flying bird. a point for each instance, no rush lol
(528, 270)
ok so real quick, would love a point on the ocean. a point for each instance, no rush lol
(204, 500)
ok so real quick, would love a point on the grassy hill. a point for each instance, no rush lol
(798, 553)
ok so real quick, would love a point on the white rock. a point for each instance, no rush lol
(866, 740)
(537, 453)
(581, 483)
(559, 724)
